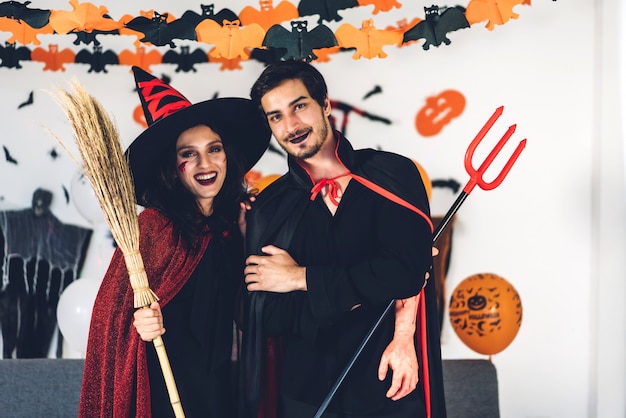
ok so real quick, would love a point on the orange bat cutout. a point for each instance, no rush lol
(126, 31)
(497, 12)
(22, 32)
(52, 57)
(380, 5)
(269, 15)
(439, 111)
(403, 26)
(230, 40)
(368, 40)
(323, 54)
(227, 64)
(84, 18)
(140, 58)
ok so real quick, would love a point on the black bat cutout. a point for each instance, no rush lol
(66, 193)
(300, 43)
(436, 26)
(326, 9)
(28, 101)
(208, 12)
(35, 18)
(377, 89)
(53, 153)
(159, 32)
(97, 59)
(11, 56)
(449, 184)
(8, 156)
(184, 59)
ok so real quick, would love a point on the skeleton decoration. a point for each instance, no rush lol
(41, 256)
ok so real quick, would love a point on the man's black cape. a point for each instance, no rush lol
(275, 215)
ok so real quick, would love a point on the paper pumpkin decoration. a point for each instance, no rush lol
(425, 178)
(264, 181)
(485, 312)
(438, 111)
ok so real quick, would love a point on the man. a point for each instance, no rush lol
(333, 241)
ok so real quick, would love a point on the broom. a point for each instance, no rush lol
(108, 172)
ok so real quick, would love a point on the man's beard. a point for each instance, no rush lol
(315, 148)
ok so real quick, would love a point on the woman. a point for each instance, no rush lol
(188, 169)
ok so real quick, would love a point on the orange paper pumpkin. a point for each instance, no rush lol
(439, 111)
(427, 183)
(485, 312)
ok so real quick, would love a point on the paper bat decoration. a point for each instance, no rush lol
(8, 156)
(35, 18)
(299, 43)
(403, 26)
(434, 28)
(97, 59)
(130, 32)
(85, 17)
(193, 19)
(184, 59)
(86, 38)
(230, 40)
(496, 12)
(268, 15)
(10, 56)
(227, 64)
(140, 58)
(28, 102)
(323, 54)
(54, 59)
(380, 5)
(159, 31)
(326, 9)
(22, 32)
(368, 40)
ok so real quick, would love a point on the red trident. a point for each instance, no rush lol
(476, 178)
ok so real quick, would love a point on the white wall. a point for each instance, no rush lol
(554, 229)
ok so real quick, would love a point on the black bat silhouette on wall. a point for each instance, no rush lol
(11, 56)
(185, 60)
(436, 26)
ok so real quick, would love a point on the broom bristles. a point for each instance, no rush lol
(106, 168)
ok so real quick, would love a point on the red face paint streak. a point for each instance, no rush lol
(182, 166)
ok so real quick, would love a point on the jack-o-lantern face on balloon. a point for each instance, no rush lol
(485, 312)
(438, 111)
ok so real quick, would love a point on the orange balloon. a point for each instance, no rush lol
(265, 181)
(427, 183)
(485, 312)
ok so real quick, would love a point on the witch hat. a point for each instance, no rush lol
(168, 114)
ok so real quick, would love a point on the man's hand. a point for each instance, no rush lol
(275, 272)
(400, 357)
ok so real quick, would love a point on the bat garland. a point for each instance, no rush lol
(259, 34)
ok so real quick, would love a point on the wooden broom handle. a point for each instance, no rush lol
(169, 377)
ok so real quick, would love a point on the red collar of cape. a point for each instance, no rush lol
(115, 379)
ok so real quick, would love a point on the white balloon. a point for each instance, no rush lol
(85, 199)
(74, 312)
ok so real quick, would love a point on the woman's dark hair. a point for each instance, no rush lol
(167, 194)
(275, 73)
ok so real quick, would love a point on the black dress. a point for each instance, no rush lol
(199, 336)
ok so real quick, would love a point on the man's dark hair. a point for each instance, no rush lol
(167, 194)
(274, 74)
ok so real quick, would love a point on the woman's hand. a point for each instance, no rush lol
(149, 322)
